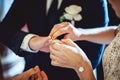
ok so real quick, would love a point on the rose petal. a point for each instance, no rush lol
(77, 17)
(73, 9)
(68, 16)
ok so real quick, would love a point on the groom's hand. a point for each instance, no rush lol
(39, 43)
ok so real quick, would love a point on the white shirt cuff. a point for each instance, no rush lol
(24, 46)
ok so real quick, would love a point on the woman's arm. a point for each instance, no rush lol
(67, 54)
(102, 35)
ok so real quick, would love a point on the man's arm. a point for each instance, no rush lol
(10, 27)
(12, 36)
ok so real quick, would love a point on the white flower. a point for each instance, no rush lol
(73, 9)
(68, 16)
(72, 13)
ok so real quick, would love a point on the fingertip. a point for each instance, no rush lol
(37, 68)
(49, 37)
(44, 74)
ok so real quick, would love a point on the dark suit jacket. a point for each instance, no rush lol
(32, 12)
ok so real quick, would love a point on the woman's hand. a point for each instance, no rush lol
(65, 28)
(67, 54)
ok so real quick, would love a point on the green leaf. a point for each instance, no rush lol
(62, 18)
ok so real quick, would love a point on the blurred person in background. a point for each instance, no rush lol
(9, 61)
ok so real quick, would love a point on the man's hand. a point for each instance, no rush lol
(39, 43)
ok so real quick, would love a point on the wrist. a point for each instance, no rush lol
(81, 35)
(25, 46)
(32, 43)
(85, 71)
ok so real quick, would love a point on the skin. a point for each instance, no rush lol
(33, 73)
(39, 43)
(116, 6)
(95, 35)
(64, 28)
(42, 44)
(66, 53)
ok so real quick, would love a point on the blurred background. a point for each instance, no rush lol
(4, 7)
(10, 62)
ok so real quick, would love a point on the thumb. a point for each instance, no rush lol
(37, 68)
(68, 42)
(30, 72)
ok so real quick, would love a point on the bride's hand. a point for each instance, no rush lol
(65, 28)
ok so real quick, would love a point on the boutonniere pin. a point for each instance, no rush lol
(72, 13)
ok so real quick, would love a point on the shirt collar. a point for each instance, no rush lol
(49, 2)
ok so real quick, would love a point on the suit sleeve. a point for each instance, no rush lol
(10, 34)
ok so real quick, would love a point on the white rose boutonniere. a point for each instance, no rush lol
(72, 13)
